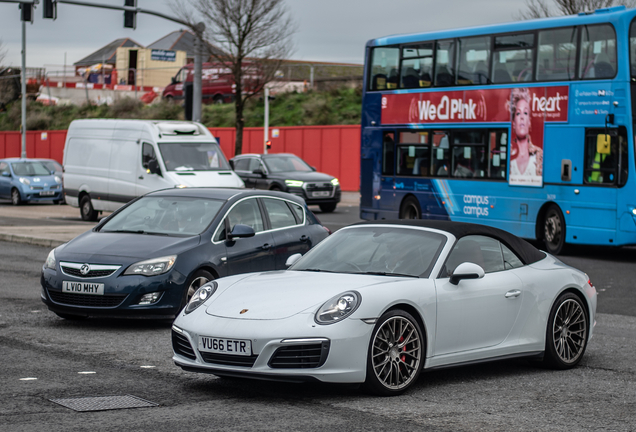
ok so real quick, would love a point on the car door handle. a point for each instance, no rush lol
(304, 238)
(141, 177)
(513, 293)
(266, 246)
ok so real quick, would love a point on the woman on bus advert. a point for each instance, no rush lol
(526, 155)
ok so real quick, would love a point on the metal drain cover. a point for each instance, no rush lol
(104, 403)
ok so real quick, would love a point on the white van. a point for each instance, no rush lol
(109, 162)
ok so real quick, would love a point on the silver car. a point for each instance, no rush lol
(377, 302)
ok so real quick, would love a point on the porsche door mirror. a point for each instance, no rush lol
(467, 270)
(241, 231)
(292, 259)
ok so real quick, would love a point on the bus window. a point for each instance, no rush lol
(598, 52)
(470, 159)
(557, 54)
(632, 48)
(498, 143)
(441, 154)
(605, 165)
(512, 58)
(384, 66)
(388, 154)
(445, 63)
(417, 66)
(474, 58)
(414, 154)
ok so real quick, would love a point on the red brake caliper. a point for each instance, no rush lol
(403, 357)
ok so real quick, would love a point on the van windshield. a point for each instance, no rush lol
(193, 157)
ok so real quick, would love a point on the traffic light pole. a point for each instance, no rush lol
(23, 128)
(266, 134)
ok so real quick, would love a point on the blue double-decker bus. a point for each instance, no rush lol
(526, 126)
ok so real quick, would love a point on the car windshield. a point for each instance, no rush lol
(193, 157)
(379, 250)
(165, 216)
(30, 169)
(278, 164)
(52, 165)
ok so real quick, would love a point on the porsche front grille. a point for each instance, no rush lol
(300, 356)
(181, 346)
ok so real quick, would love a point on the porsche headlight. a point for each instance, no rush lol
(201, 295)
(338, 308)
(294, 183)
(25, 181)
(50, 260)
(152, 267)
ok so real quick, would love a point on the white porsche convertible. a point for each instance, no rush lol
(377, 302)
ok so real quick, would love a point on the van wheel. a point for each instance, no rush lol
(86, 209)
(218, 100)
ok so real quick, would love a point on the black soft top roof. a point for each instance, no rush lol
(527, 253)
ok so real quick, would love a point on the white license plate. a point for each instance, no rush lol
(320, 194)
(47, 193)
(225, 346)
(83, 288)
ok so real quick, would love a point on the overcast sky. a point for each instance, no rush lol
(328, 30)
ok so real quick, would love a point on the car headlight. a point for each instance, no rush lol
(50, 260)
(152, 267)
(180, 186)
(294, 183)
(25, 181)
(58, 179)
(338, 308)
(201, 295)
(335, 182)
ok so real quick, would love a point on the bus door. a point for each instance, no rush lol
(593, 218)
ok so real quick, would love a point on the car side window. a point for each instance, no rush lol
(241, 164)
(298, 211)
(254, 164)
(246, 213)
(484, 251)
(4, 167)
(511, 261)
(148, 154)
(280, 215)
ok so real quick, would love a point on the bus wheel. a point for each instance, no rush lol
(554, 230)
(410, 209)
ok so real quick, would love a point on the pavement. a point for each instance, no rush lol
(51, 225)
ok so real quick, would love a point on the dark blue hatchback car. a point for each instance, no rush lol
(151, 255)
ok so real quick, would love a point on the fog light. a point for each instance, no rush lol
(150, 298)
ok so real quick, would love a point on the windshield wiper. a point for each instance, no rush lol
(387, 274)
(315, 270)
(137, 232)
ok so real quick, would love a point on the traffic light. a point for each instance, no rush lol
(26, 12)
(130, 17)
(49, 9)
(269, 145)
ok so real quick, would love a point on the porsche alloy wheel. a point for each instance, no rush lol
(395, 354)
(567, 332)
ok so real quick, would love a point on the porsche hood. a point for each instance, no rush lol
(281, 294)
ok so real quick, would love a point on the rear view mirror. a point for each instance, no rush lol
(292, 259)
(153, 167)
(6, 174)
(467, 270)
(241, 231)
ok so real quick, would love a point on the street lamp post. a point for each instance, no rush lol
(24, 96)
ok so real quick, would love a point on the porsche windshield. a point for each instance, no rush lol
(193, 157)
(164, 216)
(391, 251)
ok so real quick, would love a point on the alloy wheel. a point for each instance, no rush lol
(569, 331)
(396, 353)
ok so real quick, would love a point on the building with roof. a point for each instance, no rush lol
(182, 40)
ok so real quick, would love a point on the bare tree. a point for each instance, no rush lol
(254, 36)
(548, 8)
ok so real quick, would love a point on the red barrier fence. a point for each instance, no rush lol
(334, 150)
